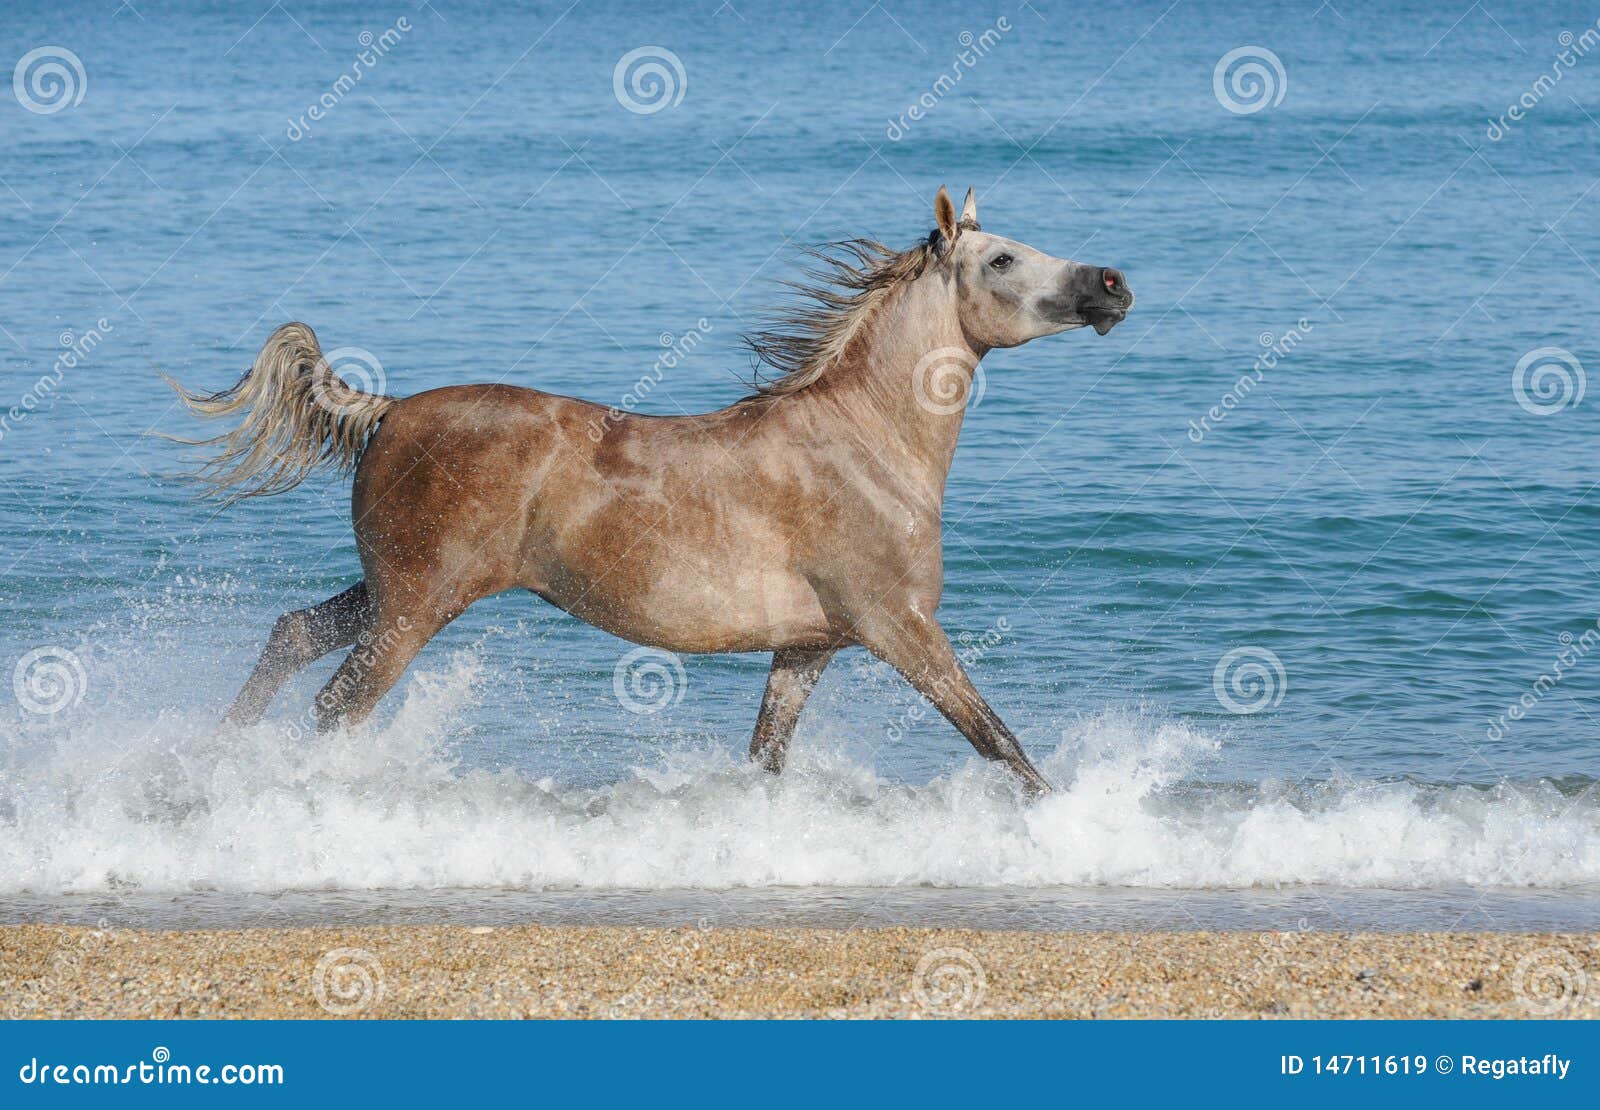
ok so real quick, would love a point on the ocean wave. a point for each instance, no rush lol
(173, 806)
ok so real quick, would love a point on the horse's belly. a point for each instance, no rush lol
(665, 546)
(686, 611)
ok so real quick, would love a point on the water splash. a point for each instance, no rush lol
(168, 805)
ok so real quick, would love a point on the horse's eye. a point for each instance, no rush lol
(1000, 262)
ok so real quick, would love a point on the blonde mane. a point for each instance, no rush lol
(859, 276)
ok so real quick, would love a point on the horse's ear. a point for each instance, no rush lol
(944, 213)
(969, 211)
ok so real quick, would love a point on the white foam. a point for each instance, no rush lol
(173, 807)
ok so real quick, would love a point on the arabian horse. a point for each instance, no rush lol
(800, 520)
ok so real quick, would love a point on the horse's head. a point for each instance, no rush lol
(1008, 293)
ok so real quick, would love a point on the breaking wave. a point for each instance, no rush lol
(171, 806)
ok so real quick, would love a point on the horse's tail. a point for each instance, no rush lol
(298, 415)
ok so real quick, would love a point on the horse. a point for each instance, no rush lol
(800, 520)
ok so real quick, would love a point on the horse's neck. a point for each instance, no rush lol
(900, 381)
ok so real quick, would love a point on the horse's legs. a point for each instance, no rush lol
(385, 650)
(297, 639)
(918, 648)
(794, 674)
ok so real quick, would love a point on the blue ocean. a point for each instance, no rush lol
(1290, 583)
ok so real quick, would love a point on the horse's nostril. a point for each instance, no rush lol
(1113, 279)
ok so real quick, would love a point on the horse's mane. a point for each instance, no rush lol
(856, 277)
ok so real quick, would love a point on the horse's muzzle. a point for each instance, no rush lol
(1106, 305)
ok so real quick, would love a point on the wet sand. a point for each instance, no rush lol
(566, 972)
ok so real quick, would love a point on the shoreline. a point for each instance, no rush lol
(534, 971)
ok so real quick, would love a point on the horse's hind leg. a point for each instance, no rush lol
(385, 650)
(794, 675)
(297, 639)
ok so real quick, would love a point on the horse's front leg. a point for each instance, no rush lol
(918, 648)
(794, 675)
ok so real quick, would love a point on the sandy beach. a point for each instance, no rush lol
(565, 972)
